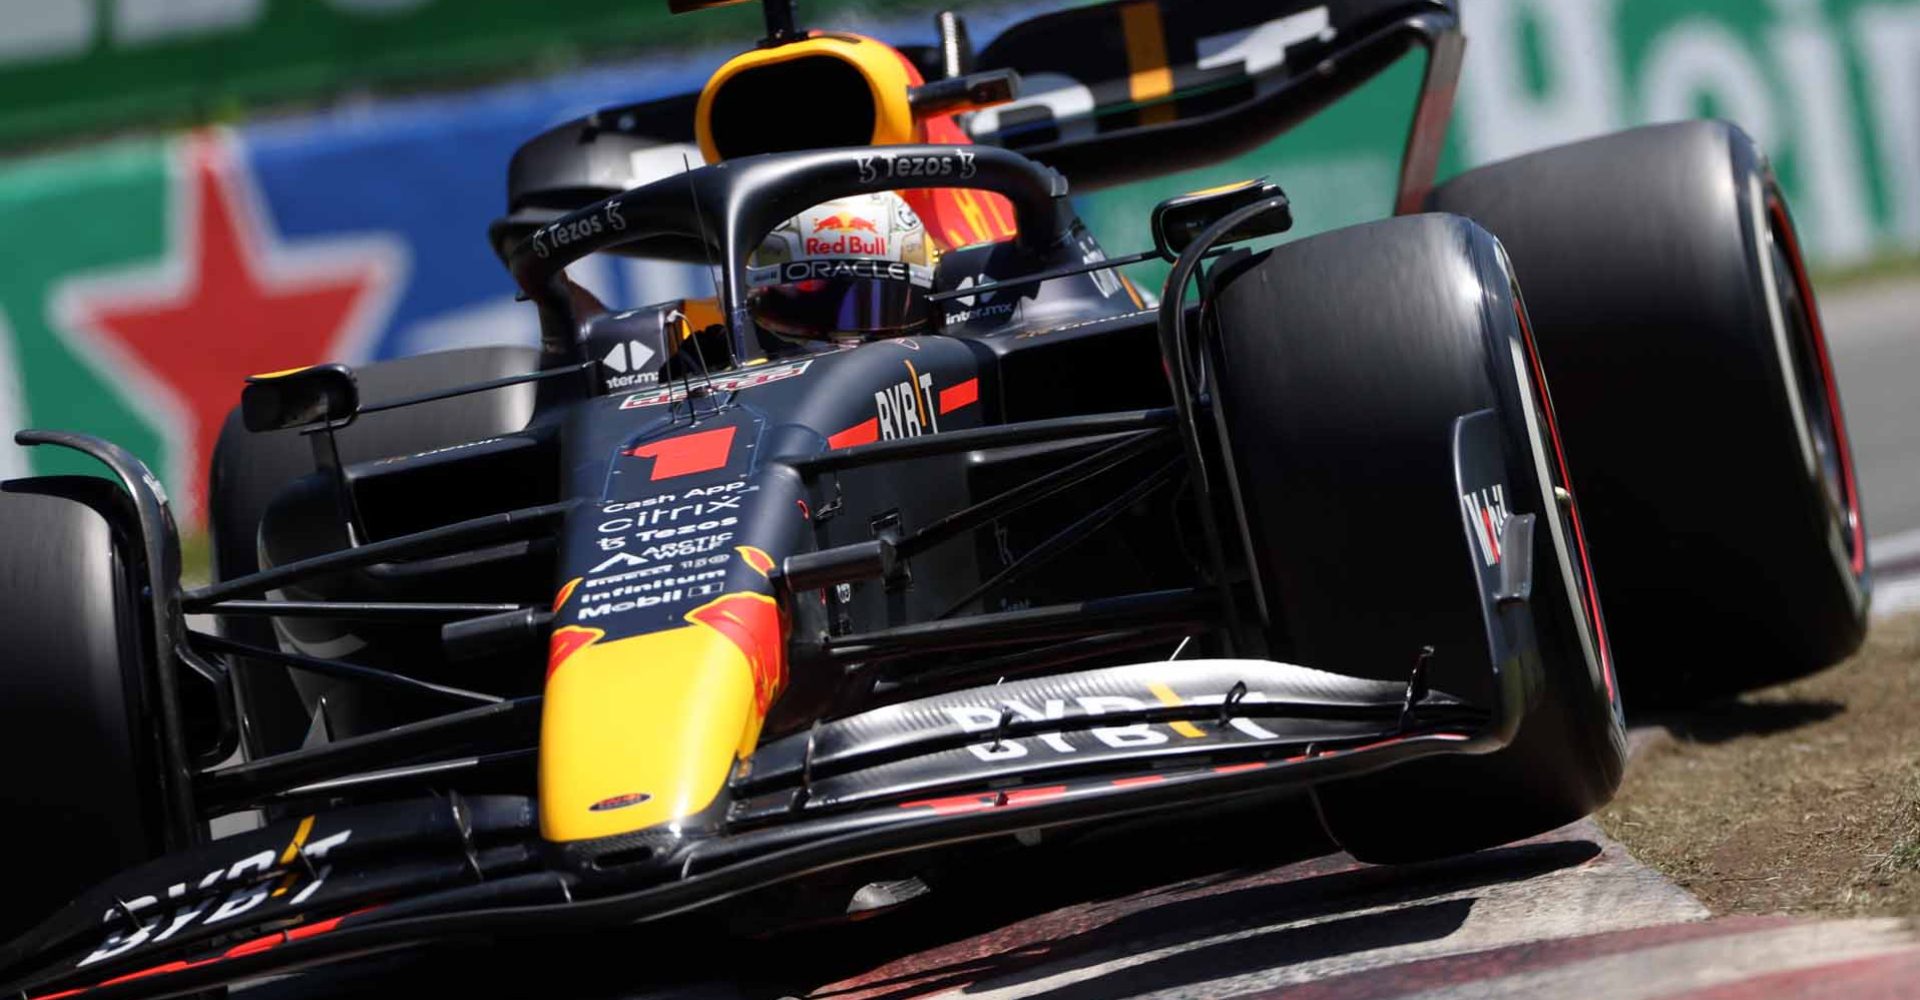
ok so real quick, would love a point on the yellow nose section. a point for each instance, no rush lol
(642, 731)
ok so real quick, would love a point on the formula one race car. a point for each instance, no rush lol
(933, 528)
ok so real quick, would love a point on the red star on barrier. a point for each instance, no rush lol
(233, 303)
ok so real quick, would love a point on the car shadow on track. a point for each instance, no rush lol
(1721, 721)
(1304, 912)
(1216, 895)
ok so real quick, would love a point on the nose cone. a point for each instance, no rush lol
(643, 731)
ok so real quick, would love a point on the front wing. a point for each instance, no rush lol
(955, 767)
(1054, 750)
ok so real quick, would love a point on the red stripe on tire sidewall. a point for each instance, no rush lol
(1592, 603)
(1856, 527)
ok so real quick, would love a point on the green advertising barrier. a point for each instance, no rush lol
(1831, 88)
(93, 65)
(142, 279)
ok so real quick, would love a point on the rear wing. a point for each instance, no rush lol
(1137, 88)
(1112, 93)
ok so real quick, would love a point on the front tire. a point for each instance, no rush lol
(1665, 282)
(1343, 362)
(81, 791)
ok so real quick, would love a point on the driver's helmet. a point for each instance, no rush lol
(846, 269)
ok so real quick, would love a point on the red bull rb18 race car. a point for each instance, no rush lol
(934, 528)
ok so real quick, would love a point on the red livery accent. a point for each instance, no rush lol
(956, 217)
(568, 640)
(865, 432)
(954, 397)
(566, 591)
(701, 451)
(986, 800)
(756, 559)
(751, 622)
(263, 943)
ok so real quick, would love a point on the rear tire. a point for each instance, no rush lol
(81, 788)
(1666, 286)
(1339, 417)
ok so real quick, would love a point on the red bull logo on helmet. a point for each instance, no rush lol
(849, 244)
(843, 222)
(844, 233)
(877, 226)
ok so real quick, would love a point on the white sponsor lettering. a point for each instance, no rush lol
(573, 231)
(983, 312)
(980, 719)
(182, 917)
(1247, 726)
(1054, 708)
(319, 879)
(256, 875)
(1120, 737)
(655, 534)
(119, 943)
(681, 588)
(604, 592)
(907, 409)
(718, 489)
(887, 166)
(686, 547)
(629, 381)
(259, 862)
(240, 901)
(986, 719)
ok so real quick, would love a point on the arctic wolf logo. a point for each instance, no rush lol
(1487, 509)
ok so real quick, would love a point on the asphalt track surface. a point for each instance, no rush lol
(1213, 907)
(1873, 333)
(1259, 906)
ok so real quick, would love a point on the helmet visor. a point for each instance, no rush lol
(875, 302)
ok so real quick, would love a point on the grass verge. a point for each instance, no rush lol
(1801, 798)
(1886, 267)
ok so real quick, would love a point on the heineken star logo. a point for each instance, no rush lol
(229, 300)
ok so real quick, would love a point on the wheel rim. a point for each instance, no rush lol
(1812, 380)
(1560, 505)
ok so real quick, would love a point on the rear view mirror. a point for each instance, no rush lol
(299, 397)
(1179, 220)
(964, 93)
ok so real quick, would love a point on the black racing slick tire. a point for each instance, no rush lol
(1343, 363)
(80, 791)
(1701, 416)
(250, 470)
